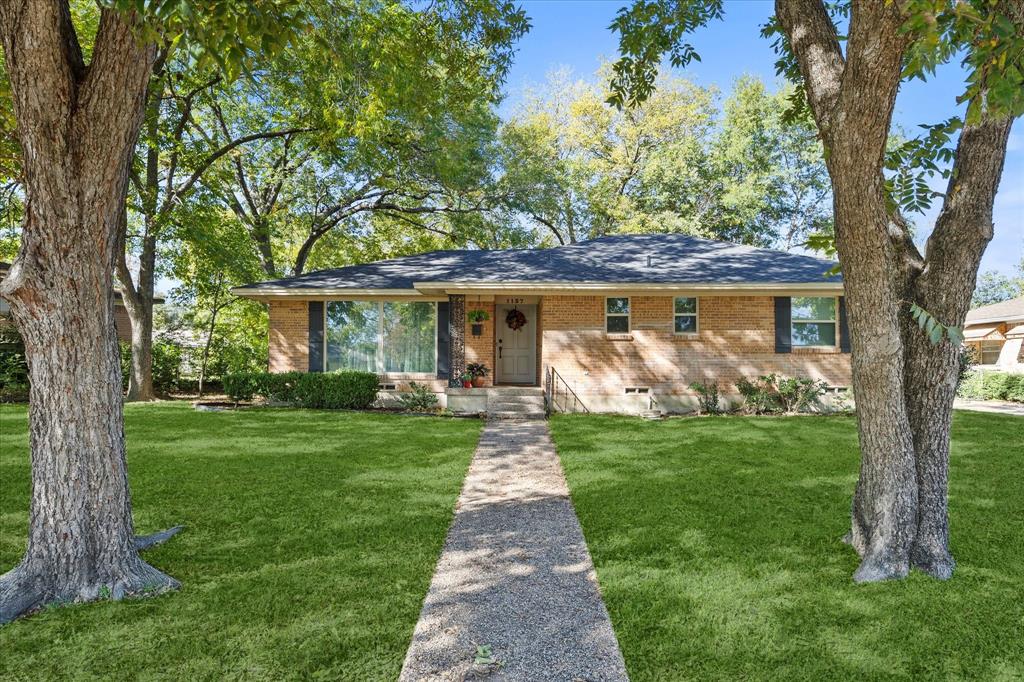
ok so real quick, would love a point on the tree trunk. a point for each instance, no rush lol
(209, 339)
(138, 302)
(78, 127)
(962, 231)
(904, 384)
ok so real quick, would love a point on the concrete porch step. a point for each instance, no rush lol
(516, 400)
(515, 390)
(515, 414)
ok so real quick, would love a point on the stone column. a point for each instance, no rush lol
(457, 346)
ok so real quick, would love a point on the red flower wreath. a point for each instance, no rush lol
(515, 319)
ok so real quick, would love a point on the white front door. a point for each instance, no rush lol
(516, 349)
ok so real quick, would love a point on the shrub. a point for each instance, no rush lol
(316, 390)
(346, 390)
(707, 397)
(167, 358)
(14, 393)
(771, 394)
(419, 398)
(244, 386)
(972, 386)
(281, 388)
(759, 396)
(13, 368)
(800, 394)
(992, 386)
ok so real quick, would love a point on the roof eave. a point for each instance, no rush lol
(308, 292)
(538, 286)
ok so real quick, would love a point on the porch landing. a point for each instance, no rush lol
(498, 402)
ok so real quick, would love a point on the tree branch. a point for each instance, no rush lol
(812, 37)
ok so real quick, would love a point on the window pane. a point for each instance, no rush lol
(410, 332)
(352, 329)
(618, 306)
(686, 306)
(814, 308)
(686, 324)
(618, 324)
(814, 334)
(990, 351)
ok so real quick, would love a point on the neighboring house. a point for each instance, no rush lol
(624, 322)
(996, 332)
(121, 321)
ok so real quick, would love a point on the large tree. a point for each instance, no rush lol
(579, 168)
(379, 145)
(77, 123)
(77, 126)
(904, 378)
(170, 161)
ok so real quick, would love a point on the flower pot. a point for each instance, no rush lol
(467, 384)
(478, 382)
(478, 329)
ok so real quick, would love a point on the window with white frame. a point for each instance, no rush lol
(990, 351)
(685, 310)
(617, 315)
(381, 337)
(814, 321)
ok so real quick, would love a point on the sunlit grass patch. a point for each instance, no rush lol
(309, 544)
(717, 546)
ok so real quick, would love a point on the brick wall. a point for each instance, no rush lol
(736, 338)
(122, 323)
(289, 336)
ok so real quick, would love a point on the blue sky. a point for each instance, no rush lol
(574, 33)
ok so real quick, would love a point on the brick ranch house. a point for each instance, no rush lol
(619, 323)
(996, 333)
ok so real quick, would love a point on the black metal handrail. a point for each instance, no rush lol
(556, 384)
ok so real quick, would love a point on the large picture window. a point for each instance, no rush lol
(814, 321)
(381, 337)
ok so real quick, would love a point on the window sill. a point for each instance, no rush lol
(686, 335)
(618, 336)
(819, 350)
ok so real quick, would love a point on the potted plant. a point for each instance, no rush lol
(467, 380)
(478, 317)
(477, 371)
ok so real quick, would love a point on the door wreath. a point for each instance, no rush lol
(515, 319)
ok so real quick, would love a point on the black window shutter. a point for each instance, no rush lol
(444, 342)
(844, 329)
(316, 336)
(783, 325)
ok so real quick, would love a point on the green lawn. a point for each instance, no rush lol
(716, 542)
(309, 544)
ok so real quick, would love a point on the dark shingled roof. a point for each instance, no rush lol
(633, 259)
(1005, 310)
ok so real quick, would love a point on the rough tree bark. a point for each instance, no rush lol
(903, 384)
(77, 127)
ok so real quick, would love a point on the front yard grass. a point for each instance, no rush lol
(309, 545)
(717, 546)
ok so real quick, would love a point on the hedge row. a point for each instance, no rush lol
(993, 386)
(328, 390)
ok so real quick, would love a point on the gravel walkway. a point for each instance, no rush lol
(515, 579)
